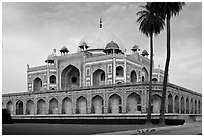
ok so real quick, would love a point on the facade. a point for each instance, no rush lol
(100, 78)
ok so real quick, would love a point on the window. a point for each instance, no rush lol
(109, 68)
(87, 71)
(102, 76)
(119, 71)
(74, 79)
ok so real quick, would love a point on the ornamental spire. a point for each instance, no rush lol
(101, 24)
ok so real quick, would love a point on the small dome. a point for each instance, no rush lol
(135, 48)
(50, 59)
(112, 45)
(64, 49)
(144, 53)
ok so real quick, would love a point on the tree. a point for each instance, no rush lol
(166, 10)
(149, 24)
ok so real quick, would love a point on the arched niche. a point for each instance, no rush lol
(53, 106)
(133, 77)
(97, 105)
(66, 106)
(41, 107)
(98, 77)
(29, 107)
(81, 105)
(70, 77)
(114, 104)
(37, 82)
(19, 107)
(134, 103)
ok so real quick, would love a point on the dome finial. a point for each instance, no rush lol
(101, 24)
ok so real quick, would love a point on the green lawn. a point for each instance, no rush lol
(65, 129)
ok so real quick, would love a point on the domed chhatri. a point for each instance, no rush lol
(112, 45)
(64, 50)
(135, 48)
(144, 53)
(83, 46)
(50, 58)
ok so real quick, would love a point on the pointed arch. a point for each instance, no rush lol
(52, 79)
(41, 107)
(53, 106)
(170, 103)
(29, 107)
(97, 105)
(66, 106)
(37, 84)
(9, 107)
(134, 103)
(187, 106)
(19, 107)
(145, 76)
(182, 105)
(81, 105)
(70, 77)
(199, 107)
(195, 106)
(191, 106)
(119, 71)
(156, 103)
(133, 76)
(176, 106)
(114, 104)
(98, 77)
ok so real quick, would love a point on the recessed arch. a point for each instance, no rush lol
(182, 105)
(97, 105)
(98, 77)
(133, 76)
(114, 104)
(81, 105)
(191, 106)
(9, 107)
(53, 106)
(199, 107)
(134, 103)
(41, 107)
(176, 100)
(29, 107)
(156, 103)
(154, 79)
(187, 106)
(37, 82)
(19, 107)
(119, 71)
(52, 79)
(66, 106)
(170, 103)
(195, 106)
(70, 77)
(145, 73)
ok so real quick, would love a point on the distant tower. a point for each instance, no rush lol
(101, 24)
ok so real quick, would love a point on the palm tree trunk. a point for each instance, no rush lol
(150, 80)
(163, 99)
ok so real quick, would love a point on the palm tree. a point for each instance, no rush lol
(166, 10)
(149, 24)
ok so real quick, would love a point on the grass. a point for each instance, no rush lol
(65, 129)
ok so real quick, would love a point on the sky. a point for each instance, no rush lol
(30, 32)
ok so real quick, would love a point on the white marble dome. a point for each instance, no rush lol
(100, 38)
